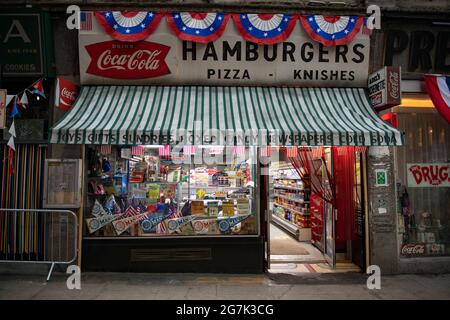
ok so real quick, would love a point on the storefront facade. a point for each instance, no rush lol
(162, 101)
(420, 47)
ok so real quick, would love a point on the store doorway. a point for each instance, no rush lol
(309, 230)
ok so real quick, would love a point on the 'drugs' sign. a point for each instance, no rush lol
(428, 175)
(164, 59)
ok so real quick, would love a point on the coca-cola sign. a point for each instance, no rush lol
(66, 93)
(115, 59)
(413, 249)
(384, 88)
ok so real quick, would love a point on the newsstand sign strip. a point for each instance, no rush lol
(164, 58)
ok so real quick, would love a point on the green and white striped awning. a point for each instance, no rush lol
(128, 115)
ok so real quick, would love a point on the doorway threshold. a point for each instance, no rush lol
(296, 259)
(306, 267)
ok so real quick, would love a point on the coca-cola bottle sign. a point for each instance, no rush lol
(114, 59)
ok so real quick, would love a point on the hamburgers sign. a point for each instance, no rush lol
(163, 58)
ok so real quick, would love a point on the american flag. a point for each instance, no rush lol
(292, 152)
(266, 151)
(164, 151)
(189, 150)
(104, 149)
(238, 150)
(137, 151)
(161, 228)
(316, 152)
(365, 27)
(174, 213)
(130, 212)
(86, 21)
(216, 150)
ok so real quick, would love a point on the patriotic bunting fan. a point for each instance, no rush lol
(332, 30)
(198, 27)
(128, 26)
(438, 88)
(264, 28)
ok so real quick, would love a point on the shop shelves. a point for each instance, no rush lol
(291, 199)
(293, 210)
(211, 187)
(289, 188)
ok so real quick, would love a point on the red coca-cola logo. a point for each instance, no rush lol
(115, 59)
(394, 85)
(69, 94)
(413, 249)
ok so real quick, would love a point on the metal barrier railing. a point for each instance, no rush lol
(38, 236)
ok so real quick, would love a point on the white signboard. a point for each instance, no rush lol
(422, 175)
(230, 60)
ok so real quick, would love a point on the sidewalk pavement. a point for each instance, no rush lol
(224, 287)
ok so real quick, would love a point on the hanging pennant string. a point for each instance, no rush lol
(21, 98)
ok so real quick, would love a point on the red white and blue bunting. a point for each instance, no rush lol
(332, 30)
(264, 28)
(438, 88)
(130, 26)
(198, 27)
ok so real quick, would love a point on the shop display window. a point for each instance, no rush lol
(423, 186)
(149, 191)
